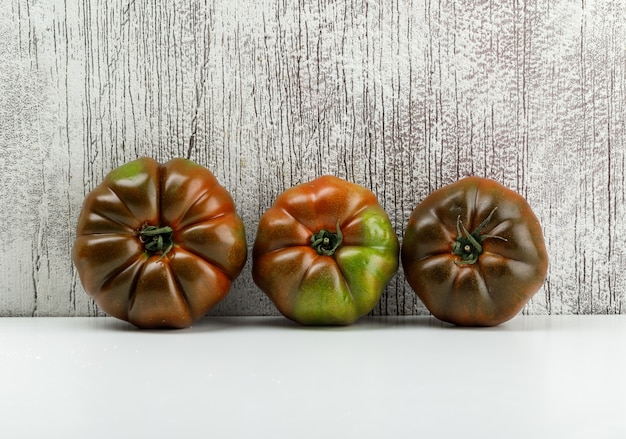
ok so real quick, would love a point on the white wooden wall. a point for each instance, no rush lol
(401, 96)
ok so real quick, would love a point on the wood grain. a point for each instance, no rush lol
(399, 96)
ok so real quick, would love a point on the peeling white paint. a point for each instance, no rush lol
(402, 97)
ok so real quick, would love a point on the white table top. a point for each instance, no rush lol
(396, 377)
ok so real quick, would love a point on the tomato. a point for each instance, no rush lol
(159, 245)
(324, 252)
(474, 252)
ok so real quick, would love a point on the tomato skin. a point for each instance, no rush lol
(511, 269)
(170, 288)
(319, 289)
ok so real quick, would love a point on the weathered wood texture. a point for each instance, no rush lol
(399, 96)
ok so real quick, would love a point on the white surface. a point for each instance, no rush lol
(560, 377)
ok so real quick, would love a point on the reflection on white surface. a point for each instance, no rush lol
(266, 377)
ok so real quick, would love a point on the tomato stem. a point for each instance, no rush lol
(156, 239)
(468, 246)
(325, 242)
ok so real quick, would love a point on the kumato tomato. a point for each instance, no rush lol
(159, 245)
(324, 252)
(474, 252)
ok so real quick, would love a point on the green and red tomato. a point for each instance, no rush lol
(324, 252)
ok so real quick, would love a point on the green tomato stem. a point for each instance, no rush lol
(327, 243)
(156, 239)
(468, 246)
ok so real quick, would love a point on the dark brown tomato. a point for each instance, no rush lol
(159, 245)
(474, 252)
